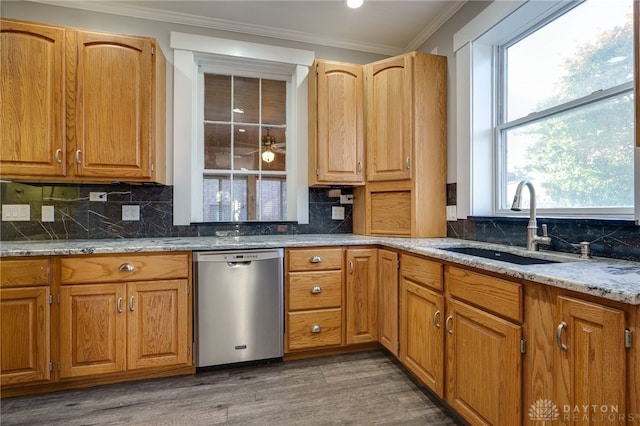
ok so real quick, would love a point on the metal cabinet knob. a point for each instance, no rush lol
(316, 289)
(126, 267)
(78, 159)
(316, 328)
(58, 155)
(119, 305)
(316, 259)
(131, 303)
(436, 319)
(561, 327)
(447, 324)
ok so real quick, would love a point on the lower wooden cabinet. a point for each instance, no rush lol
(388, 300)
(362, 295)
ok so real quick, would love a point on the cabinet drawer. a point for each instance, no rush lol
(494, 294)
(96, 269)
(301, 329)
(315, 259)
(24, 272)
(422, 271)
(315, 290)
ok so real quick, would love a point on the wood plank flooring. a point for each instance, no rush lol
(367, 388)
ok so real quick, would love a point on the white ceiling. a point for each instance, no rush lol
(380, 26)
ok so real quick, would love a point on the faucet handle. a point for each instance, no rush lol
(544, 230)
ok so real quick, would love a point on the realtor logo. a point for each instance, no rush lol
(543, 410)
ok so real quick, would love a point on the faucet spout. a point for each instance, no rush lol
(533, 239)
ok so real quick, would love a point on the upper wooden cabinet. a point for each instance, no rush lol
(388, 97)
(336, 131)
(80, 106)
(32, 99)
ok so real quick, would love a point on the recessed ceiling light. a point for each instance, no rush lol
(354, 4)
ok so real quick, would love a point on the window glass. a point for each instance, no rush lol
(568, 121)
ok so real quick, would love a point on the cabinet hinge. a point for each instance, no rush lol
(317, 172)
(153, 51)
(50, 366)
(317, 71)
(398, 264)
(523, 346)
(627, 338)
(51, 299)
(152, 168)
(188, 290)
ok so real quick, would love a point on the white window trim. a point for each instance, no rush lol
(189, 49)
(473, 46)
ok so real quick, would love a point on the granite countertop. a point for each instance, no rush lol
(607, 278)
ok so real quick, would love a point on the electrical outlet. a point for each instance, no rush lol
(16, 212)
(47, 214)
(97, 196)
(130, 213)
(452, 213)
(346, 199)
(337, 213)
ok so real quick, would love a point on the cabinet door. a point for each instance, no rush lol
(590, 367)
(113, 106)
(32, 99)
(388, 300)
(24, 335)
(337, 127)
(484, 377)
(158, 324)
(362, 295)
(93, 329)
(422, 334)
(388, 99)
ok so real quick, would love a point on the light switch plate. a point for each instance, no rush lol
(97, 196)
(47, 214)
(130, 213)
(452, 213)
(16, 212)
(337, 213)
(346, 199)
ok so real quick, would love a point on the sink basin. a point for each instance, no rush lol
(499, 255)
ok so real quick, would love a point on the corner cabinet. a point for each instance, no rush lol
(406, 104)
(336, 129)
(362, 295)
(94, 102)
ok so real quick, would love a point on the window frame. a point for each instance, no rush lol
(477, 66)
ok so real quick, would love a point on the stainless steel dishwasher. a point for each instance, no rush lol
(238, 306)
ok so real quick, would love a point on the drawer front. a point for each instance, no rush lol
(494, 294)
(315, 329)
(24, 272)
(315, 290)
(422, 271)
(123, 267)
(315, 259)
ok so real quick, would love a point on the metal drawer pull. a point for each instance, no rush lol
(447, 324)
(350, 267)
(131, 303)
(561, 345)
(58, 155)
(408, 163)
(316, 328)
(119, 305)
(126, 267)
(436, 319)
(359, 166)
(78, 160)
(316, 259)
(316, 289)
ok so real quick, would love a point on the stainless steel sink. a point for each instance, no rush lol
(502, 256)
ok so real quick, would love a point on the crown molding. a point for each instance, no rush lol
(431, 29)
(234, 26)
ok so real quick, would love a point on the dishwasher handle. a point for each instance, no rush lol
(243, 264)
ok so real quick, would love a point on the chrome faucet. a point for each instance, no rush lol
(533, 239)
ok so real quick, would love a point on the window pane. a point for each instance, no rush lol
(279, 162)
(273, 195)
(217, 97)
(217, 146)
(216, 199)
(246, 98)
(554, 65)
(239, 199)
(246, 147)
(274, 102)
(577, 159)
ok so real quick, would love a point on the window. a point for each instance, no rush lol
(243, 130)
(565, 112)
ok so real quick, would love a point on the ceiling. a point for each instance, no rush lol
(386, 27)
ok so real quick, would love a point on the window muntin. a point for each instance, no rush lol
(566, 122)
(238, 112)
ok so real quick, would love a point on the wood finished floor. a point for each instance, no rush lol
(357, 389)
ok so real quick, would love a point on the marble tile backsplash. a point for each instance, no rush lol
(75, 217)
